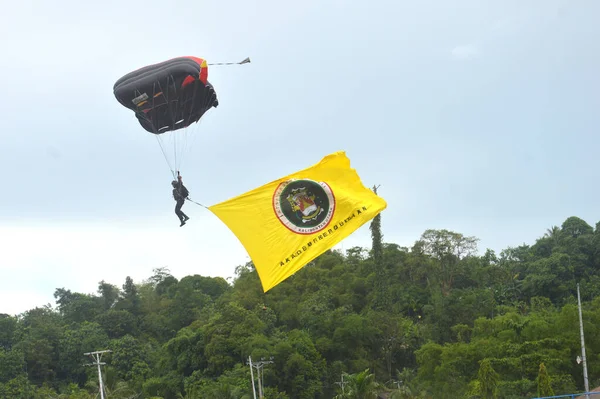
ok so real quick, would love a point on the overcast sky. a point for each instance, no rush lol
(479, 117)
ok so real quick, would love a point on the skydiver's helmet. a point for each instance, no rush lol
(174, 183)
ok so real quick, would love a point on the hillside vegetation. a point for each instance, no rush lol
(437, 320)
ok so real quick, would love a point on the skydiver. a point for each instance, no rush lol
(180, 193)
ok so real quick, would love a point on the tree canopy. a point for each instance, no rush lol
(437, 319)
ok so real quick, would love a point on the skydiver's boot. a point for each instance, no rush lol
(185, 218)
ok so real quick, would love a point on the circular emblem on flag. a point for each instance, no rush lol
(304, 206)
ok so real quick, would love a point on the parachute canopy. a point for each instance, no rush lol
(168, 96)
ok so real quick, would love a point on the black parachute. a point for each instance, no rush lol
(167, 96)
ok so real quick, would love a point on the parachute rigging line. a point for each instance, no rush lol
(160, 144)
(245, 61)
(185, 132)
(197, 203)
(159, 137)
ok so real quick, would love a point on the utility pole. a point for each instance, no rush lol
(252, 376)
(342, 383)
(97, 356)
(259, 366)
(585, 374)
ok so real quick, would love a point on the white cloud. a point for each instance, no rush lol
(38, 258)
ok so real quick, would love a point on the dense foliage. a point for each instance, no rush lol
(432, 321)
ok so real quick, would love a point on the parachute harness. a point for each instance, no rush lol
(188, 198)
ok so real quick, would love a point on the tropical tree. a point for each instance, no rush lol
(360, 385)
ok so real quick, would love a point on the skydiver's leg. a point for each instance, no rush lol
(178, 212)
(185, 217)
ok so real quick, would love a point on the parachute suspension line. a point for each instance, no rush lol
(186, 131)
(174, 136)
(245, 61)
(197, 203)
(207, 100)
(179, 137)
(196, 126)
(184, 138)
(190, 133)
(187, 134)
(160, 144)
(158, 136)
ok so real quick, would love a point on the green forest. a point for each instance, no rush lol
(441, 319)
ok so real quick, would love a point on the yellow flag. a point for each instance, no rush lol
(290, 221)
